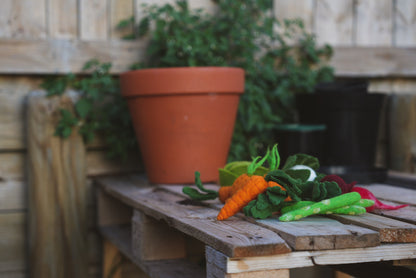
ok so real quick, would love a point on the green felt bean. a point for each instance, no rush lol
(322, 206)
(348, 210)
(297, 205)
(365, 203)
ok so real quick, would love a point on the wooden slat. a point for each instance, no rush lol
(402, 129)
(287, 9)
(385, 252)
(12, 195)
(320, 233)
(120, 10)
(390, 230)
(405, 23)
(63, 56)
(13, 242)
(233, 237)
(374, 22)
(393, 193)
(22, 19)
(93, 20)
(373, 61)
(312, 233)
(62, 19)
(406, 214)
(120, 236)
(334, 22)
(57, 179)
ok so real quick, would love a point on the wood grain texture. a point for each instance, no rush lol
(23, 19)
(374, 22)
(155, 240)
(60, 56)
(13, 195)
(393, 193)
(385, 252)
(404, 23)
(13, 242)
(233, 237)
(390, 230)
(402, 130)
(93, 20)
(334, 22)
(120, 10)
(57, 179)
(62, 19)
(320, 233)
(303, 9)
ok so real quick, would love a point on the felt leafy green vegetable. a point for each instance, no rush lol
(266, 203)
(206, 194)
(322, 206)
(301, 159)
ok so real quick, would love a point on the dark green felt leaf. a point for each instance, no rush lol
(301, 159)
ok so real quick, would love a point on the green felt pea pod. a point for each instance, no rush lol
(296, 205)
(322, 206)
(365, 203)
(348, 210)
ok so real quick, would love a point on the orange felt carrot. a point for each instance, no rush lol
(226, 192)
(255, 186)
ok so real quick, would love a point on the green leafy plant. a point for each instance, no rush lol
(280, 59)
(99, 108)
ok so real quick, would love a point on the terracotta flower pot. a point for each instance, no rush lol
(184, 119)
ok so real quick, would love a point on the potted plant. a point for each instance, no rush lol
(279, 58)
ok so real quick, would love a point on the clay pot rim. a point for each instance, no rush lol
(182, 80)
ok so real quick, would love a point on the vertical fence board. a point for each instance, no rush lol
(405, 23)
(93, 19)
(57, 193)
(402, 133)
(374, 22)
(288, 9)
(334, 22)
(120, 10)
(63, 21)
(22, 19)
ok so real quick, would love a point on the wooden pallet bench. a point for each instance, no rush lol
(157, 227)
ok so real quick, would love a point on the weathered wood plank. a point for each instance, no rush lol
(63, 56)
(390, 230)
(320, 233)
(374, 22)
(13, 241)
(233, 237)
(62, 19)
(287, 9)
(385, 252)
(120, 236)
(57, 179)
(155, 240)
(312, 233)
(334, 22)
(406, 214)
(13, 195)
(93, 20)
(22, 19)
(402, 130)
(120, 10)
(404, 23)
(393, 193)
(373, 61)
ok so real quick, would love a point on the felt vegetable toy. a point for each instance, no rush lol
(365, 193)
(251, 189)
(322, 206)
(355, 209)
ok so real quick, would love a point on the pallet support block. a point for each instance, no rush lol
(155, 240)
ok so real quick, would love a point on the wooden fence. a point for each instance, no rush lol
(372, 38)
